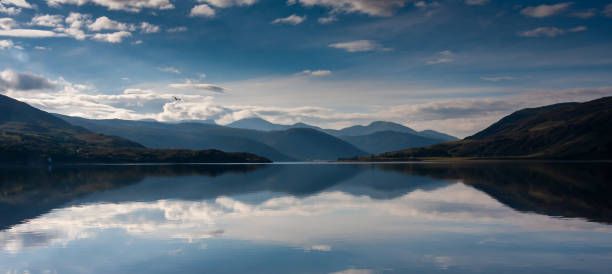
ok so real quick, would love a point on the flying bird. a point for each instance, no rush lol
(176, 98)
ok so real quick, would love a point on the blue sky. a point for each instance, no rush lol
(454, 65)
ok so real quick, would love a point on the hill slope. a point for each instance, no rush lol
(383, 141)
(561, 131)
(29, 135)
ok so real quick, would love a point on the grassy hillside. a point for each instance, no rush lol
(31, 136)
(561, 131)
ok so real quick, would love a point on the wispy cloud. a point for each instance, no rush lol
(30, 33)
(442, 57)
(291, 20)
(542, 11)
(369, 7)
(315, 72)
(177, 29)
(498, 78)
(8, 44)
(359, 46)
(170, 69)
(550, 31)
(476, 2)
(188, 85)
(124, 5)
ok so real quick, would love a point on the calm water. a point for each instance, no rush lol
(310, 218)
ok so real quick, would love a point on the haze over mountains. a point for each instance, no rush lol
(560, 131)
(377, 137)
(298, 142)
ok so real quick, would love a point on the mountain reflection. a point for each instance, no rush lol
(337, 209)
(556, 189)
(581, 190)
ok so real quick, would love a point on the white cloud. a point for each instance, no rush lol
(18, 3)
(315, 72)
(7, 23)
(498, 78)
(476, 2)
(9, 10)
(354, 271)
(228, 3)
(170, 69)
(146, 27)
(188, 85)
(442, 57)
(291, 19)
(454, 115)
(124, 5)
(8, 44)
(48, 20)
(325, 248)
(177, 29)
(41, 48)
(369, 7)
(550, 31)
(542, 31)
(76, 21)
(542, 11)
(202, 10)
(359, 46)
(105, 23)
(29, 33)
(327, 20)
(114, 37)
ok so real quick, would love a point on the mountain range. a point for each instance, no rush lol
(32, 136)
(377, 137)
(298, 142)
(562, 131)
(29, 131)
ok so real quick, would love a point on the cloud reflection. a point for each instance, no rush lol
(312, 223)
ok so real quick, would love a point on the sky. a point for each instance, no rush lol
(454, 66)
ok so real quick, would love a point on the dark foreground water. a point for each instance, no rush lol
(308, 218)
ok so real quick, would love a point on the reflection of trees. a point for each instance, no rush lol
(557, 189)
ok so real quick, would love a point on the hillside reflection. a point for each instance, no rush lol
(413, 218)
(556, 189)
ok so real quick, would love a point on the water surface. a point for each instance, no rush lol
(308, 218)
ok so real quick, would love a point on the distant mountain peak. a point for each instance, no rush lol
(374, 127)
(256, 123)
(384, 123)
